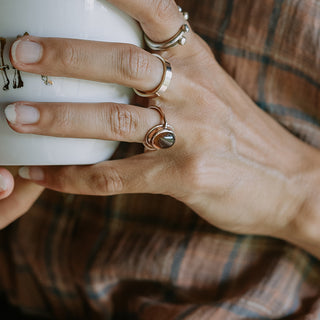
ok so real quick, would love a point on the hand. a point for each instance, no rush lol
(16, 196)
(232, 163)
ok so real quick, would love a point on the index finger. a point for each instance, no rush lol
(159, 19)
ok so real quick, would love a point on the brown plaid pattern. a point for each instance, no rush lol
(149, 257)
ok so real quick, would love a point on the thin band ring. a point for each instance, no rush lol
(164, 83)
(161, 136)
(178, 38)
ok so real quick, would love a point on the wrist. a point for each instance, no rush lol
(303, 228)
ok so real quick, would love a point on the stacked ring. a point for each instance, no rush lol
(161, 136)
(178, 38)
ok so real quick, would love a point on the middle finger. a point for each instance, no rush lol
(124, 64)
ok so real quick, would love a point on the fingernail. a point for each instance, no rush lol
(3, 184)
(26, 51)
(31, 173)
(20, 114)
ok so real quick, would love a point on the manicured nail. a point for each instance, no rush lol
(3, 184)
(20, 114)
(26, 51)
(31, 173)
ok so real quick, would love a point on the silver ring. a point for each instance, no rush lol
(161, 136)
(178, 38)
(164, 83)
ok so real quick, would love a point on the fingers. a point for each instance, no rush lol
(160, 19)
(137, 174)
(106, 121)
(6, 183)
(123, 64)
(25, 193)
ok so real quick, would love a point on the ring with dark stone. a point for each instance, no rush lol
(161, 136)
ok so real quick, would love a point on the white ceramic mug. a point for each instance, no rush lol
(81, 19)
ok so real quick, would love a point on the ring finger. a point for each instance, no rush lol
(107, 121)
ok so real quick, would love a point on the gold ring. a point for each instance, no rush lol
(164, 83)
(161, 136)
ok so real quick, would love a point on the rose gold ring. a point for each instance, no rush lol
(161, 136)
(164, 83)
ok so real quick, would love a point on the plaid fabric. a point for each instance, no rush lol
(149, 257)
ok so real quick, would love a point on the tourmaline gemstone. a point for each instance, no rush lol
(165, 140)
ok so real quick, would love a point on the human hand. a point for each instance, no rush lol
(16, 196)
(231, 163)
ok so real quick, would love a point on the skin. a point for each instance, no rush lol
(18, 196)
(232, 164)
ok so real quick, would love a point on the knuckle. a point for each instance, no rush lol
(106, 182)
(63, 118)
(122, 121)
(135, 63)
(162, 10)
(70, 56)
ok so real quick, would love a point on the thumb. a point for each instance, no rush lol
(24, 194)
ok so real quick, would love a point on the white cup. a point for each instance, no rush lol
(80, 19)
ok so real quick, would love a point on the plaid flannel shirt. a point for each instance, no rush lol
(149, 256)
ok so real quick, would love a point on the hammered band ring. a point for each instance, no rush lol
(164, 83)
(161, 136)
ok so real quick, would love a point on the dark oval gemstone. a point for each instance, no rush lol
(164, 140)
